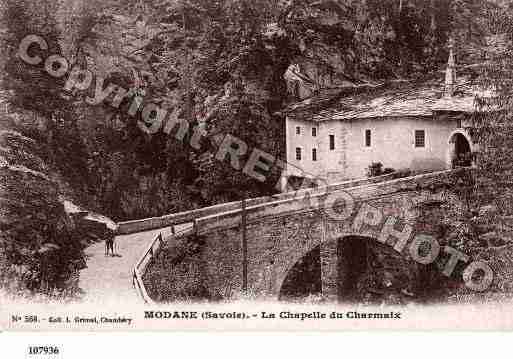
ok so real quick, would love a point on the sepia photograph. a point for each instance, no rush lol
(255, 165)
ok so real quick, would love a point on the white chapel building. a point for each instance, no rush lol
(422, 127)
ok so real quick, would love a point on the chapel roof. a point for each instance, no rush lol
(394, 99)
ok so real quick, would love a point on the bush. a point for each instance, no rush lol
(375, 169)
(178, 274)
(405, 172)
(40, 242)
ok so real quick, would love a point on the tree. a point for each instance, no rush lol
(493, 126)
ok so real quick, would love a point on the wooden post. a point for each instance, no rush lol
(244, 250)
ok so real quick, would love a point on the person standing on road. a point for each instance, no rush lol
(109, 244)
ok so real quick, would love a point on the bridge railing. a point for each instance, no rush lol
(147, 224)
(361, 191)
(142, 264)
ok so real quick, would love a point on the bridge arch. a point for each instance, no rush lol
(306, 276)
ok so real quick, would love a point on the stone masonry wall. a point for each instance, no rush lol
(278, 238)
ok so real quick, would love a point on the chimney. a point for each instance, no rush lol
(450, 72)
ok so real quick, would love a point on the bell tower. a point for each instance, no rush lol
(450, 72)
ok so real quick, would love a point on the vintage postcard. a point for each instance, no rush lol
(256, 165)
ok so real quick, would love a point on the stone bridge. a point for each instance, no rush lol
(335, 227)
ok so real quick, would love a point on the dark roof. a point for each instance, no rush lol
(399, 99)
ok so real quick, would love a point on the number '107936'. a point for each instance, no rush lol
(43, 350)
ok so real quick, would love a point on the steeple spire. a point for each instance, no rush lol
(450, 72)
